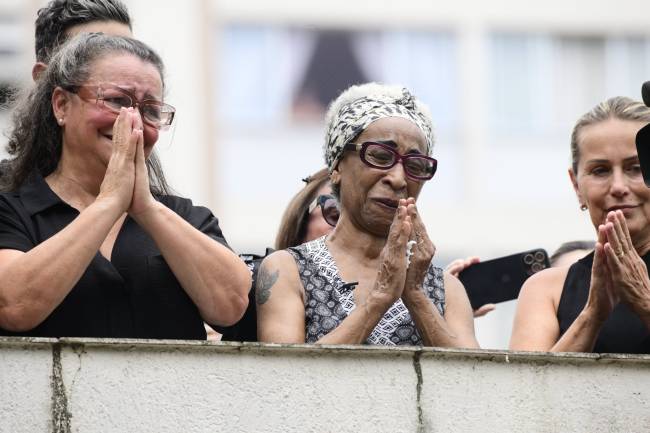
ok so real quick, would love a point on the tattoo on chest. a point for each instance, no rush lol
(265, 280)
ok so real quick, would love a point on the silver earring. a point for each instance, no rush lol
(583, 207)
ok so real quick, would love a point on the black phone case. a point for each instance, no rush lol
(643, 150)
(500, 280)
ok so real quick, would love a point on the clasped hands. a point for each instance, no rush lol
(398, 277)
(126, 182)
(618, 273)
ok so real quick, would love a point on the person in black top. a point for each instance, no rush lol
(91, 242)
(602, 302)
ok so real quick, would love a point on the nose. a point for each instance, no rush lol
(619, 186)
(396, 177)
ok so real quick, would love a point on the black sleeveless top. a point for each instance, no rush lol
(623, 331)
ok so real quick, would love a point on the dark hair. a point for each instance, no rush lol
(619, 107)
(568, 247)
(293, 226)
(59, 15)
(35, 140)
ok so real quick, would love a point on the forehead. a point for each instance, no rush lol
(402, 131)
(128, 71)
(108, 27)
(609, 139)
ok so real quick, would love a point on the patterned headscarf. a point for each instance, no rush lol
(356, 108)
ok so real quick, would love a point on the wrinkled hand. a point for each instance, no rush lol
(629, 273)
(423, 251)
(603, 296)
(117, 186)
(389, 283)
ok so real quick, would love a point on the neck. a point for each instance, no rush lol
(355, 242)
(76, 183)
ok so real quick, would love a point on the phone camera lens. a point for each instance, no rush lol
(536, 267)
(539, 256)
(529, 259)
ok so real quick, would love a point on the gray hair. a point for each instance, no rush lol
(619, 107)
(358, 106)
(35, 140)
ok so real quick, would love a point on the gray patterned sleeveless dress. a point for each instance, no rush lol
(329, 300)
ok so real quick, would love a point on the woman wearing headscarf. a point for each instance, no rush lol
(371, 280)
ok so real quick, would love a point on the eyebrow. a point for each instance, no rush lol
(391, 143)
(607, 161)
(131, 90)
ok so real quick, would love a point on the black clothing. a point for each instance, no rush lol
(623, 331)
(246, 328)
(134, 295)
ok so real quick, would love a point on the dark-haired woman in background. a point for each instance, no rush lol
(91, 242)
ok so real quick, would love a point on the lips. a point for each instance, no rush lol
(622, 207)
(387, 202)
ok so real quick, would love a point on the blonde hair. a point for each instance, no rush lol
(619, 107)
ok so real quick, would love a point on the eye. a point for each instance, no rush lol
(634, 169)
(599, 171)
(117, 101)
(418, 166)
(379, 156)
(152, 112)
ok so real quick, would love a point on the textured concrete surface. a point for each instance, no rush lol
(25, 386)
(155, 386)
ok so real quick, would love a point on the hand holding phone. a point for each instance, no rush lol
(500, 280)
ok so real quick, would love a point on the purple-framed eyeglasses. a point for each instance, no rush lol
(155, 113)
(384, 157)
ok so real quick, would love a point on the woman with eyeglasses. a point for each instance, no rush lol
(92, 244)
(311, 213)
(371, 280)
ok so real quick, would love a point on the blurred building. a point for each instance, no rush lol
(505, 81)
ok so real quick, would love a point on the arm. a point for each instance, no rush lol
(279, 298)
(536, 327)
(281, 317)
(281, 309)
(456, 328)
(34, 283)
(214, 277)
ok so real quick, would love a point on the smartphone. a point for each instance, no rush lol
(500, 280)
(643, 150)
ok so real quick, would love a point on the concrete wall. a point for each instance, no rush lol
(122, 386)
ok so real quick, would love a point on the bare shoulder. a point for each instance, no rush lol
(545, 285)
(279, 267)
(278, 259)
